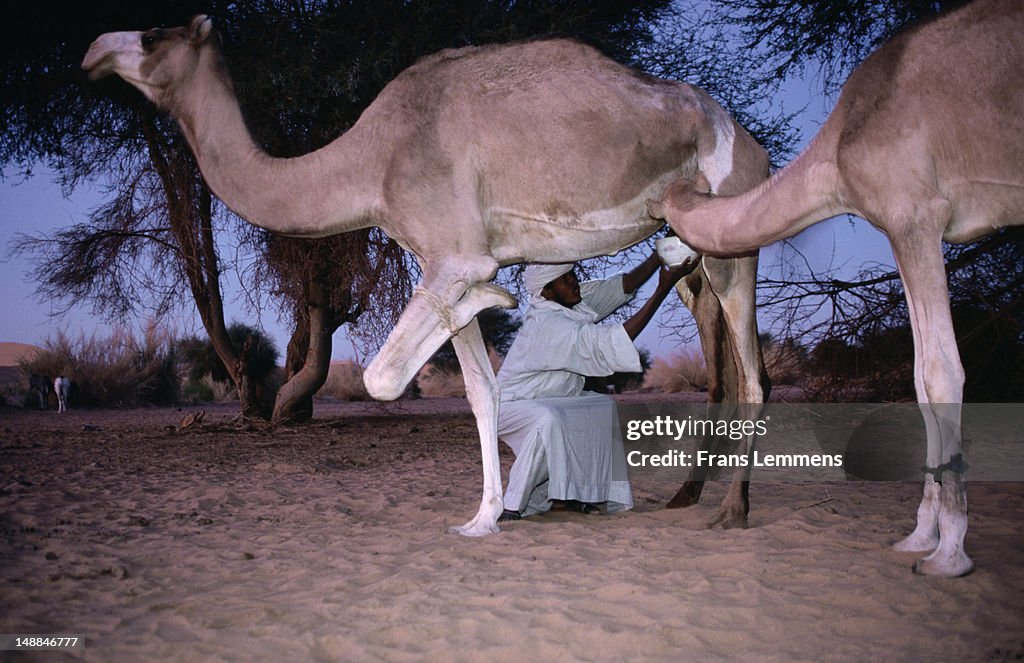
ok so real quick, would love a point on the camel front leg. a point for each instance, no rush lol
(427, 322)
(482, 393)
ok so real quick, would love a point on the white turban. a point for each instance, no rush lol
(535, 277)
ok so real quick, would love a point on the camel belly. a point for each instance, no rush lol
(563, 224)
(981, 207)
(519, 237)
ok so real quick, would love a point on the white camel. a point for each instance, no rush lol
(927, 143)
(544, 151)
(62, 387)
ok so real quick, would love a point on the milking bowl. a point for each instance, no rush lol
(673, 251)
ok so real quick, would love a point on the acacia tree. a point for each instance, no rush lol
(327, 61)
(831, 36)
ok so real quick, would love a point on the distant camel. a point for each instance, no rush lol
(39, 386)
(471, 159)
(62, 387)
(927, 143)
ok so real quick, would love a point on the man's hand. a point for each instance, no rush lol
(670, 275)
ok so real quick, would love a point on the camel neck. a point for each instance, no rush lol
(320, 193)
(803, 193)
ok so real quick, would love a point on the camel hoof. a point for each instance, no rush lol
(728, 520)
(685, 497)
(952, 566)
(681, 502)
(474, 528)
(918, 543)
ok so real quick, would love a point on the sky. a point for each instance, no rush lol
(37, 206)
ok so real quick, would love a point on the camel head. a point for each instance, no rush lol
(156, 61)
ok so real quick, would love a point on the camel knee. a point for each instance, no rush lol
(383, 383)
(477, 298)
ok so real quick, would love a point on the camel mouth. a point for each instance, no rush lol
(97, 63)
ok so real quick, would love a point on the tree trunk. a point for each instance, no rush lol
(253, 394)
(309, 357)
(190, 214)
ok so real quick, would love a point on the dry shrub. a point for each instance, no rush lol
(784, 362)
(439, 382)
(893, 386)
(116, 371)
(684, 370)
(344, 382)
(220, 392)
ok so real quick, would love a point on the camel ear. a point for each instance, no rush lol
(656, 209)
(200, 29)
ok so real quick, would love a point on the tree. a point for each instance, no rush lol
(866, 336)
(257, 352)
(157, 231)
(693, 44)
(831, 36)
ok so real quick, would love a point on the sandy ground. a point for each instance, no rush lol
(327, 542)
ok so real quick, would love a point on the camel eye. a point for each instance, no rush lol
(149, 39)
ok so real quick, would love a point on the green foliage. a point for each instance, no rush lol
(202, 359)
(195, 391)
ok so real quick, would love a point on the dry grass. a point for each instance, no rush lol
(220, 392)
(680, 372)
(114, 371)
(784, 363)
(344, 382)
(437, 382)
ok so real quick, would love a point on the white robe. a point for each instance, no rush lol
(567, 443)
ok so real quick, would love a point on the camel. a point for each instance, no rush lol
(472, 159)
(62, 387)
(39, 386)
(926, 142)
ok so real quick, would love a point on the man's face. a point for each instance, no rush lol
(564, 290)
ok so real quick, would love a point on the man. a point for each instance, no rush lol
(567, 442)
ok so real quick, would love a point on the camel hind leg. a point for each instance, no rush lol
(696, 294)
(722, 301)
(939, 379)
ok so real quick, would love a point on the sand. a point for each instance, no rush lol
(11, 354)
(327, 542)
